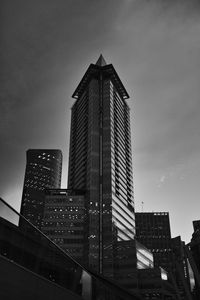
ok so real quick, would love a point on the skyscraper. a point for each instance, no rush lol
(43, 170)
(100, 161)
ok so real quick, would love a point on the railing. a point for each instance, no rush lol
(30, 248)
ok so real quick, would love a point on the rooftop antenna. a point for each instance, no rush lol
(142, 206)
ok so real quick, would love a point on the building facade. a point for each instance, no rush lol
(100, 162)
(131, 256)
(153, 231)
(182, 271)
(195, 252)
(43, 170)
(64, 221)
(195, 243)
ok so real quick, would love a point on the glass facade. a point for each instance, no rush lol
(43, 170)
(100, 163)
(144, 257)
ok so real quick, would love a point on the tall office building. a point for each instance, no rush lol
(43, 170)
(100, 162)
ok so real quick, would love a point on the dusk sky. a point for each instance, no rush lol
(46, 47)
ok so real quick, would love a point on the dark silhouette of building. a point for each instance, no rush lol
(100, 162)
(130, 256)
(195, 251)
(195, 243)
(153, 231)
(181, 270)
(43, 170)
(64, 221)
(154, 284)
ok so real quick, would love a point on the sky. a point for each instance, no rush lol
(46, 47)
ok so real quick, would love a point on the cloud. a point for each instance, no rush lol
(161, 181)
(162, 178)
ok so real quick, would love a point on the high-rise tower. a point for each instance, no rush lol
(43, 170)
(100, 162)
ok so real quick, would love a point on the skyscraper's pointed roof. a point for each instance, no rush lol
(93, 71)
(101, 61)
